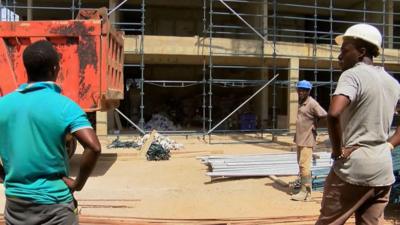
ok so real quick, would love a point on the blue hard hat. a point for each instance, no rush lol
(304, 84)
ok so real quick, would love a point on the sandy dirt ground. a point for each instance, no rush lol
(127, 187)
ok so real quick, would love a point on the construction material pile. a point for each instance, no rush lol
(162, 140)
(261, 165)
(283, 164)
(117, 143)
(395, 193)
(160, 122)
(156, 153)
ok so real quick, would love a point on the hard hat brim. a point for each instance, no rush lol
(339, 41)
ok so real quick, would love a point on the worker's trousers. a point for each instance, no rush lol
(22, 212)
(341, 200)
(304, 157)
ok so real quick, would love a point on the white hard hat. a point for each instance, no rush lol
(363, 31)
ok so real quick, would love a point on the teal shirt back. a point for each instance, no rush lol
(34, 121)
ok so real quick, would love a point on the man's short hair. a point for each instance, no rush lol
(372, 50)
(40, 58)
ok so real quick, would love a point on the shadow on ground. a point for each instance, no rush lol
(103, 164)
(279, 187)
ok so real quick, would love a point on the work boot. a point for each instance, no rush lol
(294, 186)
(305, 191)
(303, 195)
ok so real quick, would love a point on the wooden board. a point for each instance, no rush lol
(146, 145)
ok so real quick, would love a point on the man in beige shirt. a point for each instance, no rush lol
(359, 121)
(308, 114)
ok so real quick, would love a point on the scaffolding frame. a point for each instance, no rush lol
(215, 29)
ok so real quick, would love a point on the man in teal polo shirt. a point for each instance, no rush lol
(34, 122)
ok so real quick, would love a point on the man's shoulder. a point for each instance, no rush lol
(352, 72)
(9, 98)
(312, 101)
(59, 98)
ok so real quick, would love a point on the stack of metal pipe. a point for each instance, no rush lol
(280, 164)
(261, 165)
(395, 192)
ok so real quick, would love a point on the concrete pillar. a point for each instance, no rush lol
(263, 109)
(29, 10)
(292, 93)
(101, 123)
(263, 106)
(262, 98)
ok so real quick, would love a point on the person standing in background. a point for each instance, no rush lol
(308, 114)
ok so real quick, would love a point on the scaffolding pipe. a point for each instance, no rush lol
(315, 48)
(204, 94)
(210, 70)
(331, 45)
(73, 9)
(383, 31)
(243, 20)
(130, 121)
(241, 105)
(274, 67)
(141, 120)
(116, 7)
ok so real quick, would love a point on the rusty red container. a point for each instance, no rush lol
(91, 53)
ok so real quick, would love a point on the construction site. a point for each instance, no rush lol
(211, 81)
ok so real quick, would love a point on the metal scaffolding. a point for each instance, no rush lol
(239, 27)
(320, 23)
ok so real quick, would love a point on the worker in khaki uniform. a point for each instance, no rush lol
(308, 114)
(359, 120)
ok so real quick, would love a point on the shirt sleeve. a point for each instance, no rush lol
(347, 86)
(319, 111)
(75, 118)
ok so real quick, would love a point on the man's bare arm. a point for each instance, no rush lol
(2, 173)
(338, 104)
(394, 140)
(70, 145)
(92, 149)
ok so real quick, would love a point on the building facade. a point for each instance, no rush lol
(191, 64)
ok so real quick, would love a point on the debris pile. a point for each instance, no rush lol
(160, 122)
(154, 145)
(117, 143)
(162, 140)
(156, 152)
